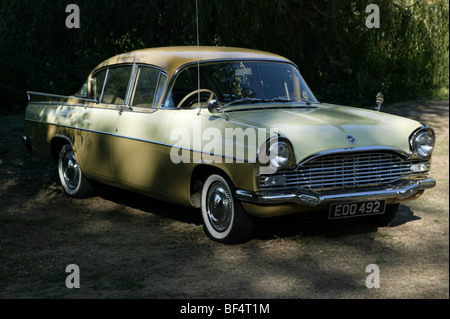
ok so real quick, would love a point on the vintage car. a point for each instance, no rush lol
(236, 133)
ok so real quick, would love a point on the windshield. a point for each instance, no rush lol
(241, 82)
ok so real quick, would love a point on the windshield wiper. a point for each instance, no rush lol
(280, 99)
(244, 100)
(305, 100)
(288, 100)
(252, 100)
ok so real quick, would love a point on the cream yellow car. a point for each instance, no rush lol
(234, 132)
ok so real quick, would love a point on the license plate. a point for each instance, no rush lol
(344, 210)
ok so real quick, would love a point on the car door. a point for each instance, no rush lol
(138, 145)
(108, 87)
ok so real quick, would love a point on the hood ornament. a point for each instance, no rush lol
(380, 100)
(351, 139)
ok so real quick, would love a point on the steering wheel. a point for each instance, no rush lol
(212, 95)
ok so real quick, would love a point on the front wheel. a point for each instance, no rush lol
(224, 219)
(72, 179)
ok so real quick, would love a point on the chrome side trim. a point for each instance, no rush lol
(238, 160)
(68, 126)
(399, 191)
(30, 93)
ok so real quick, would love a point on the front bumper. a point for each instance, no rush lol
(402, 190)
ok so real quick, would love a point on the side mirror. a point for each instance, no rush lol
(379, 100)
(214, 107)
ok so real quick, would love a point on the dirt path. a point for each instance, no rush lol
(129, 246)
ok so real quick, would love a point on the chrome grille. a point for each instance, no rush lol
(346, 171)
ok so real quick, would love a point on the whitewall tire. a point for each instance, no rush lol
(223, 217)
(72, 179)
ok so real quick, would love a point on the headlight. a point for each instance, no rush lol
(422, 142)
(275, 155)
(280, 155)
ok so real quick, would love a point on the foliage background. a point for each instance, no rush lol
(341, 59)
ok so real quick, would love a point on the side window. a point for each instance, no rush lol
(116, 85)
(146, 87)
(186, 82)
(83, 92)
(161, 86)
(97, 81)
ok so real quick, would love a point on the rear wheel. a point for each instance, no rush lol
(224, 219)
(72, 179)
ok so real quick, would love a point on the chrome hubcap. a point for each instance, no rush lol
(71, 170)
(219, 204)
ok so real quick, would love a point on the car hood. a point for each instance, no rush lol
(321, 127)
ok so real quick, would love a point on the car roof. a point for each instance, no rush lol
(172, 58)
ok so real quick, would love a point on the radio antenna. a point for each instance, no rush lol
(198, 59)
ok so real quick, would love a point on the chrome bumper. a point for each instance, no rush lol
(399, 191)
